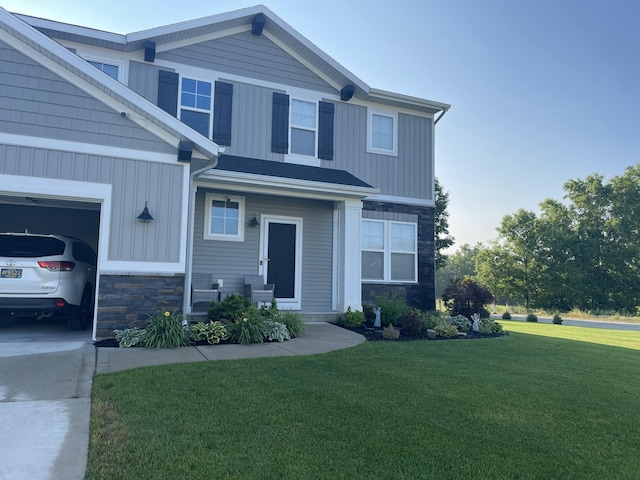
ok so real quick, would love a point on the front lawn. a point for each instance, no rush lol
(529, 405)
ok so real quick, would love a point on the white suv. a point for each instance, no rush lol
(43, 275)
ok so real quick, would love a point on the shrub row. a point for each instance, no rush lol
(233, 319)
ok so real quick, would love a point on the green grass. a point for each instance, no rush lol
(530, 405)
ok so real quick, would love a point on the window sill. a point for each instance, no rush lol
(302, 160)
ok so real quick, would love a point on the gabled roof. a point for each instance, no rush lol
(230, 23)
(74, 69)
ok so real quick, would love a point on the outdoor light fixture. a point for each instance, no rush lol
(254, 222)
(145, 216)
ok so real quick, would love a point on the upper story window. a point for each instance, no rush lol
(195, 105)
(383, 133)
(224, 218)
(303, 127)
(389, 251)
(110, 69)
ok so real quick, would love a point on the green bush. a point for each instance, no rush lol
(246, 328)
(391, 309)
(462, 323)
(487, 326)
(557, 319)
(431, 319)
(228, 309)
(212, 332)
(293, 322)
(532, 317)
(275, 331)
(446, 331)
(130, 337)
(353, 318)
(506, 316)
(412, 322)
(166, 330)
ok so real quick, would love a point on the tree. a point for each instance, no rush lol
(460, 264)
(519, 232)
(466, 298)
(441, 225)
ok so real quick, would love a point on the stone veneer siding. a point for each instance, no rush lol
(126, 301)
(422, 294)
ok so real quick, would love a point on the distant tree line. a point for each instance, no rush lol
(581, 253)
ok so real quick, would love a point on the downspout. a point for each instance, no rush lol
(186, 304)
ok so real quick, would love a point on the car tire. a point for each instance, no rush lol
(80, 319)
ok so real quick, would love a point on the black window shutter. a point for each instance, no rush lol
(325, 130)
(222, 102)
(168, 91)
(280, 123)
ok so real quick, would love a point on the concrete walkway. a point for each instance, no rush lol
(317, 338)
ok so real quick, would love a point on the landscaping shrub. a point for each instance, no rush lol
(506, 316)
(293, 322)
(463, 324)
(557, 319)
(431, 319)
(369, 314)
(391, 309)
(412, 322)
(487, 326)
(467, 298)
(212, 332)
(166, 330)
(390, 333)
(353, 318)
(246, 328)
(275, 331)
(130, 337)
(229, 308)
(446, 331)
(532, 317)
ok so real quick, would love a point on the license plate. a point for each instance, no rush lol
(11, 273)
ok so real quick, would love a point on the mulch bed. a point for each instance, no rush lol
(375, 335)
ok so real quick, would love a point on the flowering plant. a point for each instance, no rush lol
(166, 330)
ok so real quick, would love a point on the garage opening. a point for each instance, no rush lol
(45, 215)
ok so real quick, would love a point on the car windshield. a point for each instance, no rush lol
(26, 247)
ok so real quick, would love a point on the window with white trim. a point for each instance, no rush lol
(195, 105)
(110, 69)
(389, 251)
(304, 126)
(224, 218)
(383, 133)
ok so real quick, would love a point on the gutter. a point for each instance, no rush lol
(186, 304)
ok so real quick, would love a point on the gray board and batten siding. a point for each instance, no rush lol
(250, 56)
(132, 181)
(232, 260)
(409, 174)
(35, 101)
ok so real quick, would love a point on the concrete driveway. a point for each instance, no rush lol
(45, 389)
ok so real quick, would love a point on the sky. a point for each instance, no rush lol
(541, 91)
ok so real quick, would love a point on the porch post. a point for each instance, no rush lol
(348, 281)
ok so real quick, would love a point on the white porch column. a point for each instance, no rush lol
(348, 291)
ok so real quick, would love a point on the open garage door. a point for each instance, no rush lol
(47, 215)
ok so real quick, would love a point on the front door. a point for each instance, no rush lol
(281, 249)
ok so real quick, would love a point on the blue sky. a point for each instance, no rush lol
(541, 91)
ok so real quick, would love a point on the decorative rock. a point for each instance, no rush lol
(463, 334)
(431, 334)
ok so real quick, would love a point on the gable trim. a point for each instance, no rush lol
(85, 148)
